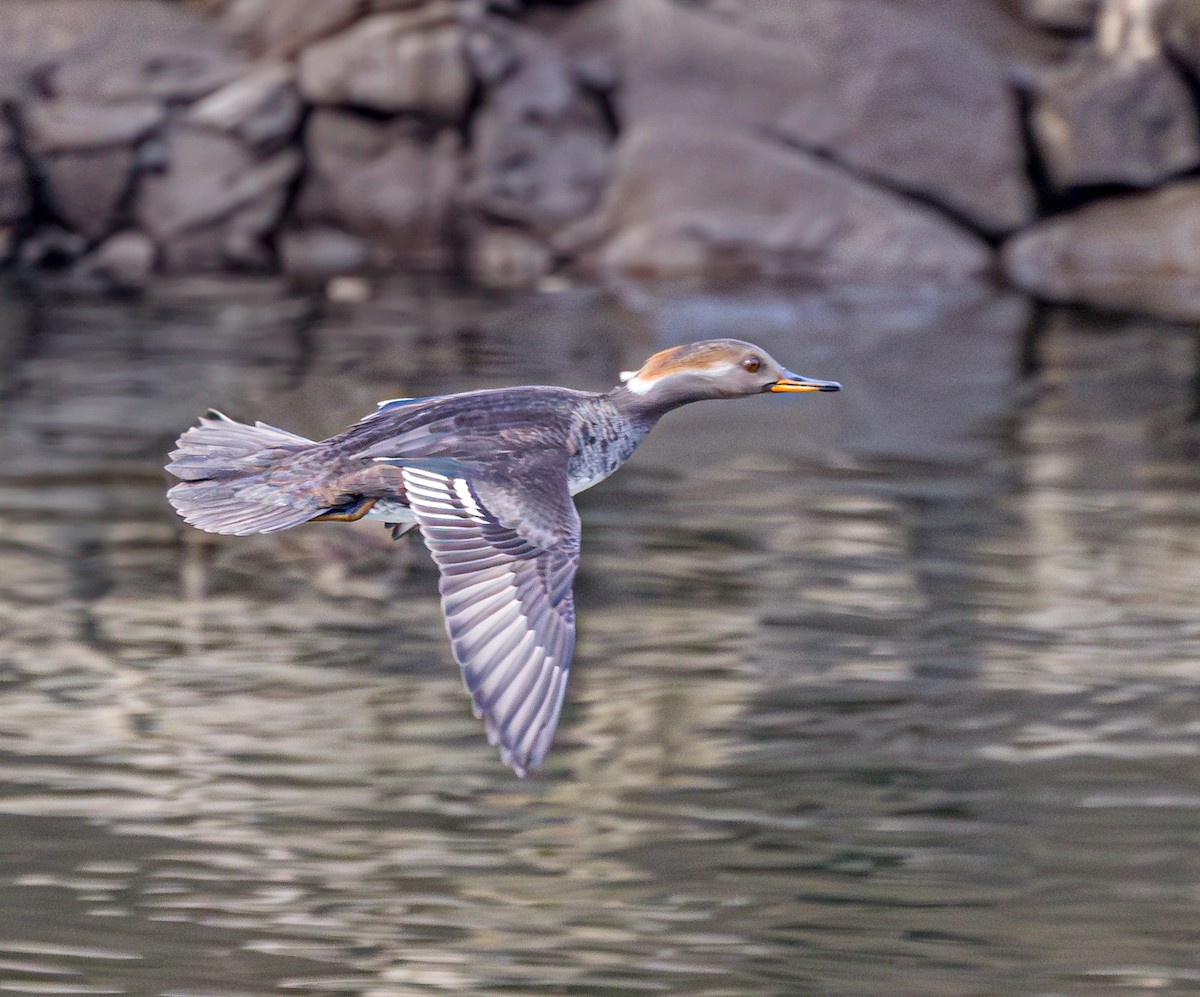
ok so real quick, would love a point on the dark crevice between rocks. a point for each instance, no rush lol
(466, 123)
(456, 231)
(368, 113)
(39, 212)
(424, 126)
(1044, 193)
(887, 185)
(1080, 197)
(606, 101)
(289, 213)
(147, 156)
(514, 10)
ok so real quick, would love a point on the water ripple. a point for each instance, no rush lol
(902, 702)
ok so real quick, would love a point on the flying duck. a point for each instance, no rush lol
(487, 477)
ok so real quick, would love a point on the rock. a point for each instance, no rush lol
(387, 182)
(321, 252)
(1177, 25)
(588, 37)
(687, 201)
(507, 258)
(393, 63)
(214, 248)
(905, 100)
(15, 196)
(1101, 120)
(263, 108)
(71, 125)
(215, 202)
(347, 290)
(37, 35)
(1074, 16)
(283, 27)
(540, 148)
(51, 248)
(209, 178)
(997, 25)
(87, 189)
(1140, 253)
(176, 56)
(123, 262)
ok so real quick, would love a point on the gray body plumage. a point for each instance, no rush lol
(596, 435)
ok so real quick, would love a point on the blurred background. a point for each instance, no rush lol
(895, 691)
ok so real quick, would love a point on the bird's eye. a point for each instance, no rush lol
(752, 364)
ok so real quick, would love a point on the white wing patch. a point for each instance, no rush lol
(463, 491)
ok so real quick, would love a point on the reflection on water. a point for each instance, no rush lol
(888, 692)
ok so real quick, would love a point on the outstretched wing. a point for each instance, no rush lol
(507, 549)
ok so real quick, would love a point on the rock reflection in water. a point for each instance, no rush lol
(890, 693)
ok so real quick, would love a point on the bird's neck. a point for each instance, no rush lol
(646, 408)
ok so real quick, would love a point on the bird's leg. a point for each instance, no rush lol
(347, 513)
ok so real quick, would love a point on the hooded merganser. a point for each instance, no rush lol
(487, 477)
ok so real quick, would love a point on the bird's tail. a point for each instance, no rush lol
(225, 485)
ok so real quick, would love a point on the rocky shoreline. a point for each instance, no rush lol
(1052, 142)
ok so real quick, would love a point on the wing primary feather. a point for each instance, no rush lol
(461, 593)
(510, 705)
(497, 639)
(474, 634)
(456, 568)
(546, 713)
(478, 613)
(497, 657)
(531, 706)
(548, 724)
(499, 672)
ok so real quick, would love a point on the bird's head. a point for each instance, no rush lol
(714, 368)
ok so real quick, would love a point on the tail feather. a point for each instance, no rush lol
(221, 464)
(225, 447)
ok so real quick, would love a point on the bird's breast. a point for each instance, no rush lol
(601, 440)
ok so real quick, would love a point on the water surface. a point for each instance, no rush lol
(894, 691)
